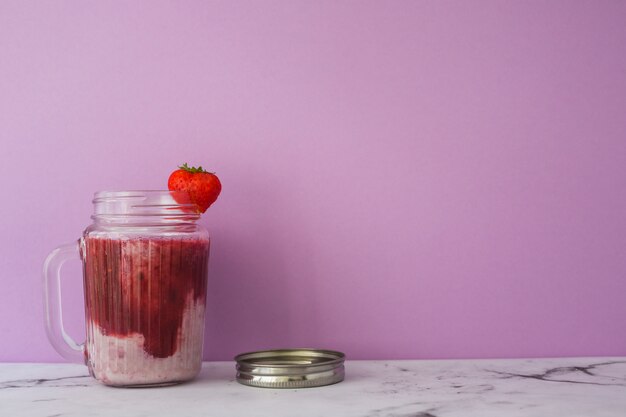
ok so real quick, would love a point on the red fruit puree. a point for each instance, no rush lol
(145, 299)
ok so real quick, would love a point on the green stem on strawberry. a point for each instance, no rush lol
(193, 170)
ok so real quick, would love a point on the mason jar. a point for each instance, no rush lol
(145, 262)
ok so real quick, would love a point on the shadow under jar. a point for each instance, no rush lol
(145, 263)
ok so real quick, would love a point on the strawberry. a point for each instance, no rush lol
(203, 187)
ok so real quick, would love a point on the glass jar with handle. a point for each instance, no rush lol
(145, 262)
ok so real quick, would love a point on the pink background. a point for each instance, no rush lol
(401, 179)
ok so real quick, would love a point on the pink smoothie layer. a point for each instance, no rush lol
(145, 302)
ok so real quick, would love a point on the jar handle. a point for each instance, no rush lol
(53, 312)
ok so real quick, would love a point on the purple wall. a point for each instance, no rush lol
(401, 179)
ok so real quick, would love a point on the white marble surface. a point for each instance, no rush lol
(481, 388)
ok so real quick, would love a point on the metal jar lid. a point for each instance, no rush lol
(290, 368)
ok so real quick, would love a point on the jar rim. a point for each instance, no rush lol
(133, 193)
(139, 205)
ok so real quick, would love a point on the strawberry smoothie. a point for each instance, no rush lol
(145, 302)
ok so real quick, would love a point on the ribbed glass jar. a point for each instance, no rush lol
(145, 265)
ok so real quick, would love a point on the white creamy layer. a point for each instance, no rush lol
(122, 360)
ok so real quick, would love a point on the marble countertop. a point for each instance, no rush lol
(413, 388)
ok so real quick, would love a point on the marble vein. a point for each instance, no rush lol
(49, 382)
(556, 374)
